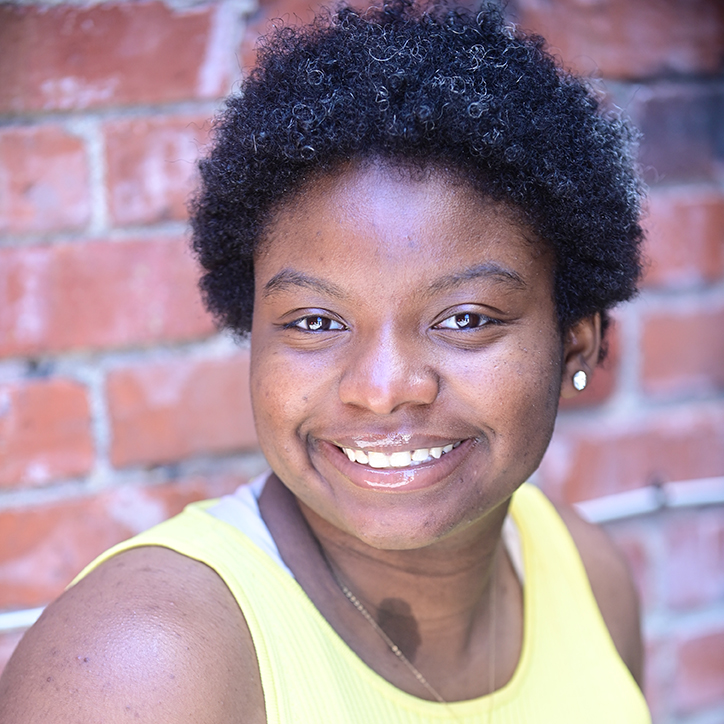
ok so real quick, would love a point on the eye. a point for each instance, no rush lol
(316, 323)
(464, 320)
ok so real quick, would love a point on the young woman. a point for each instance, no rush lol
(422, 223)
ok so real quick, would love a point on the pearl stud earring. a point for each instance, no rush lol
(580, 380)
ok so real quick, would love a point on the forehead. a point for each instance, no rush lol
(399, 221)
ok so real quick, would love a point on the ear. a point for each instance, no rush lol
(581, 346)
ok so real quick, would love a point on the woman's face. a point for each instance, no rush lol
(402, 321)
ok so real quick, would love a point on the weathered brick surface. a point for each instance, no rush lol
(598, 457)
(682, 132)
(632, 537)
(700, 671)
(683, 351)
(269, 13)
(623, 39)
(108, 54)
(44, 547)
(44, 432)
(656, 681)
(151, 169)
(685, 236)
(98, 295)
(43, 179)
(695, 558)
(170, 411)
(102, 107)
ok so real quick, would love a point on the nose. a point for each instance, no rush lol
(385, 372)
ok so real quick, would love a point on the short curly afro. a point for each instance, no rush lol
(431, 85)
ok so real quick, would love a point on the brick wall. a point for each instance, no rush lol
(118, 402)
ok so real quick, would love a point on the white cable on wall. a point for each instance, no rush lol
(690, 493)
(19, 620)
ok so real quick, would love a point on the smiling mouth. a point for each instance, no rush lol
(399, 459)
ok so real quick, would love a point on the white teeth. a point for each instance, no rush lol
(400, 459)
(378, 460)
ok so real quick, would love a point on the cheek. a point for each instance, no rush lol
(515, 393)
(283, 393)
(535, 403)
(273, 418)
(269, 395)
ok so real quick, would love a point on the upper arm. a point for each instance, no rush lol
(612, 586)
(147, 636)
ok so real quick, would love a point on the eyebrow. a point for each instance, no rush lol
(288, 278)
(489, 270)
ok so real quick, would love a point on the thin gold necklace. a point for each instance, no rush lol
(396, 649)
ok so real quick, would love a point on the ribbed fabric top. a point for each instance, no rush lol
(569, 670)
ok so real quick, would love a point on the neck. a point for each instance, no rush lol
(433, 603)
(444, 586)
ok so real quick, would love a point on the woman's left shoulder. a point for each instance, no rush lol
(612, 586)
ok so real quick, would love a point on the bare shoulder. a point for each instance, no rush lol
(149, 636)
(612, 586)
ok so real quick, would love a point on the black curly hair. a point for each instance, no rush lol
(432, 85)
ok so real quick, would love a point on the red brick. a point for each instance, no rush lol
(174, 410)
(44, 432)
(44, 547)
(624, 39)
(657, 684)
(98, 295)
(681, 126)
(694, 574)
(591, 458)
(151, 167)
(630, 537)
(685, 231)
(110, 54)
(270, 12)
(8, 642)
(683, 351)
(700, 672)
(43, 180)
(602, 382)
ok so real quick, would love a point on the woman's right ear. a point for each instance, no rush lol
(580, 354)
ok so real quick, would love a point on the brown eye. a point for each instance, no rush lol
(464, 320)
(317, 323)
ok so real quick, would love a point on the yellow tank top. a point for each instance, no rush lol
(569, 670)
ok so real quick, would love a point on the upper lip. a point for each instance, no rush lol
(391, 444)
